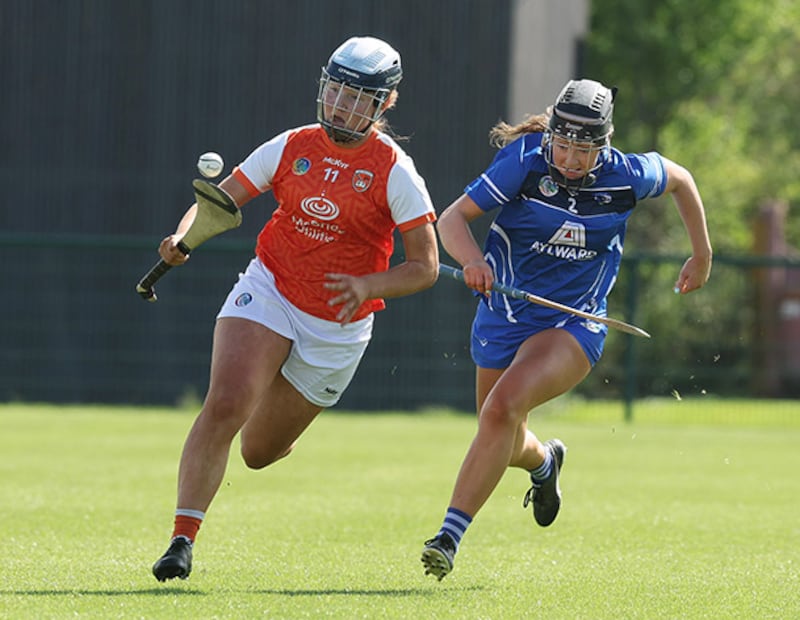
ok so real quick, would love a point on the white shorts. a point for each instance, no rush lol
(324, 355)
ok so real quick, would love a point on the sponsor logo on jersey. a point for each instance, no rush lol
(362, 179)
(547, 186)
(570, 233)
(603, 198)
(320, 207)
(320, 225)
(301, 165)
(568, 243)
(316, 230)
(242, 300)
(335, 162)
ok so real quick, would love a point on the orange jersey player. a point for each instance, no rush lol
(293, 329)
(337, 209)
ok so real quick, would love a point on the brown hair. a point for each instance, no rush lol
(382, 124)
(502, 134)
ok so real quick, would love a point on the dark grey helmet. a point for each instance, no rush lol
(583, 114)
(368, 66)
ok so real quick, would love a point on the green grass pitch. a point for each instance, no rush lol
(691, 511)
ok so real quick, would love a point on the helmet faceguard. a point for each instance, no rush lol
(581, 119)
(354, 86)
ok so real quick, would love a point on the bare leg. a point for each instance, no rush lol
(271, 431)
(546, 365)
(245, 363)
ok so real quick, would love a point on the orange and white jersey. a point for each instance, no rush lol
(337, 210)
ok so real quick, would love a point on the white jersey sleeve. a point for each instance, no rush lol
(407, 193)
(260, 166)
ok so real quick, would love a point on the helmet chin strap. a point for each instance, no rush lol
(572, 184)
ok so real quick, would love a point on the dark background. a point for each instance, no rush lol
(106, 107)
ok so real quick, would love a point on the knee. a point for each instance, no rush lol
(220, 419)
(226, 408)
(502, 412)
(259, 456)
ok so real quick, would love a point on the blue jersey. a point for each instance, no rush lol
(562, 245)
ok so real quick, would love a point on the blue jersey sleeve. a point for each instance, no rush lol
(502, 180)
(648, 175)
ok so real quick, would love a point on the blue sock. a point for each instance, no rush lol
(455, 524)
(541, 473)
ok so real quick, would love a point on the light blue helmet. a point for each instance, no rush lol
(371, 68)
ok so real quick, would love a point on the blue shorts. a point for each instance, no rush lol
(495, 340)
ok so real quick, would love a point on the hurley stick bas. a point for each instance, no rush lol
(216, 213)
(516, 293)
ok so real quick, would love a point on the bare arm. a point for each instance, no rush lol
(460, 243)
(697, 268)
(418, 272)
(168, 249)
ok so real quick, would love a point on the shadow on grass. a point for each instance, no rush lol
(77, 592)
(284, 592)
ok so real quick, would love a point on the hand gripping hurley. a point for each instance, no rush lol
(216, 213)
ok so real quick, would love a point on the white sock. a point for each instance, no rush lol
(542, 473)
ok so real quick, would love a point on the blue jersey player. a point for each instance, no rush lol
(561, 196)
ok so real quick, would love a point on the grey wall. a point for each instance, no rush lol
(545, 40)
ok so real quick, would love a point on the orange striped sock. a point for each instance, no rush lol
(187, 523)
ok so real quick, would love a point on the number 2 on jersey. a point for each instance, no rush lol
(571, 208)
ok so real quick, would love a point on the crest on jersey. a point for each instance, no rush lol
(301, 166)
(243, 299)
(362, 179)
(592, 326)
(547, 186)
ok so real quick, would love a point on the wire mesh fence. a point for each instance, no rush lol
(74, 330)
